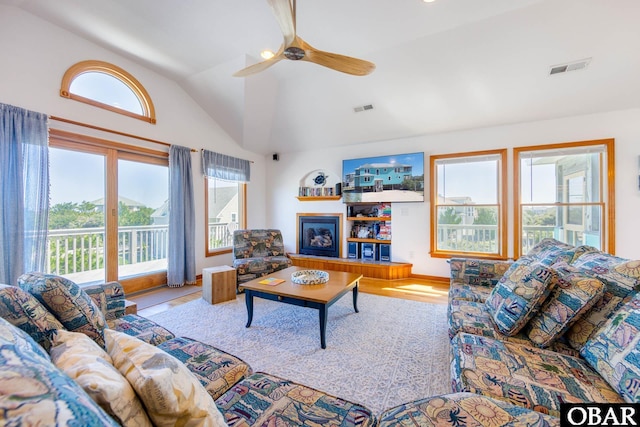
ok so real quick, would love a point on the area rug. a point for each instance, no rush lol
(392, 352)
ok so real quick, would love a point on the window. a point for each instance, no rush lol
(108, 218)
(468, 204)
(225, 213)
(565, 191)
(107, 86)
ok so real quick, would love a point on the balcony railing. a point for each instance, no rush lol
(79, 250)
(221, 234)
(484, 238)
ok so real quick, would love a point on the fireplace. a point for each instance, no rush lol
(319, 234)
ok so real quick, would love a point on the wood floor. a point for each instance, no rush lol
(417, 289)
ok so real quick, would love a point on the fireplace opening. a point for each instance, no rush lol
(319, 235)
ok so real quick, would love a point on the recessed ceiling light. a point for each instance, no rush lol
(428, 1)
(267, 54)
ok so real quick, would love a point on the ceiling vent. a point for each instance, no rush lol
(571, 66)
(362, 108)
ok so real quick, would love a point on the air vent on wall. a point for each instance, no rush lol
(363, 108)
(570, 66)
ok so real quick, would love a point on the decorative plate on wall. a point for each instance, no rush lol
(319, 178)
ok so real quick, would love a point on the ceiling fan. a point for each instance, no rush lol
(296, 49)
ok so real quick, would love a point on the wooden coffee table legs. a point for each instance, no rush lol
(322, 308)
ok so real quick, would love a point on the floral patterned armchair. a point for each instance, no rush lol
(257, 253)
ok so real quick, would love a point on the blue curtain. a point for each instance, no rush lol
(24, 192)
(181, 267)
(216, 165)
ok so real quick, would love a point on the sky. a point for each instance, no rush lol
(77, 177)
(478, 180)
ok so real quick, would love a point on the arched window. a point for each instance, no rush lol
(108, 86)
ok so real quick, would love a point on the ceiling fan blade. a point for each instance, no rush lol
(260, 66)
(345, 64)
(286, 19)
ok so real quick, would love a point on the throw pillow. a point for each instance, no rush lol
(169, 391)
(519, 294)
(34, 392)
(68, 302)
(91, 367)
(614, 351)
(621, 278)
(574, 293)
(21, 309)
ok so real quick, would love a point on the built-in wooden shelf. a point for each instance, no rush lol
(374, 269)
(316, 198)
(358, 239)
(368, 218)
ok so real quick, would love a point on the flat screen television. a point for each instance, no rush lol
(395, 178)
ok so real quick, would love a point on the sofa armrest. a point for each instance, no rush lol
(478, 271)
(109, 297)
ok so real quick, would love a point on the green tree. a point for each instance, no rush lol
(74, 215)
(128, 216)
(449, 216)
(486, 216)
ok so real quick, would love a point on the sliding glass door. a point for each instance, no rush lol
(76, 247)
(108, 212)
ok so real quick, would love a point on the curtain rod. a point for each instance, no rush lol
(73, 122)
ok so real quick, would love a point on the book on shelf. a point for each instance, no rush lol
(315, 191)
(271, 281)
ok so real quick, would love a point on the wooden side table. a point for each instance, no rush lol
(130, 307)
(218, 284)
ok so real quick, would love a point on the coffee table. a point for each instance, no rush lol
(320, 297)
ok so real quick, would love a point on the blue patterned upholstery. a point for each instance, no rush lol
(621, 278)
(257, 253)
(35, 392)
(473, 318)
(614, 352)
(519, 294)
(21, 309)
(573, 294)
(463, 291)
(68, 302)
(532, 377)
(216, 370)
(266, 400)
(463, 409)
(141, 328)
(109, 297)
(477, 271)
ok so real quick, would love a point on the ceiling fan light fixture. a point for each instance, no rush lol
(267, 54)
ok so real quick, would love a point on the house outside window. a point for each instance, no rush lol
(224, 201)
(565, 191)
(468, 204)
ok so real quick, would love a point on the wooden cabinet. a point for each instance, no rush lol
(369, 231)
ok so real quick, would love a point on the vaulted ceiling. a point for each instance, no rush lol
(441, 66)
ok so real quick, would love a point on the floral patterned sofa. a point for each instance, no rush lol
(558, 325)
(258, 253)
(70, 356)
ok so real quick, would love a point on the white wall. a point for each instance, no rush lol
(35, 56)
(410, 221)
